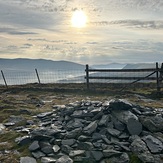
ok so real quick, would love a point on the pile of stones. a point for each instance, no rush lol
(95, 132)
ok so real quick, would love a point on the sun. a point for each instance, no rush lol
(79, 19)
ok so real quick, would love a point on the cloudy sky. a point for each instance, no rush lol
(122, 31)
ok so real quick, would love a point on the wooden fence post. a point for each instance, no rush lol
(38, 76)
(4, 79)
(87, 76)
(157, 77)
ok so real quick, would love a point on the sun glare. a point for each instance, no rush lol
(79, 19)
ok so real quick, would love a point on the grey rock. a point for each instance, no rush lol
(74, 133)
(120, 104)
(113, 132)
(124, 115)
(16, 119)
(110, 152)
(56, 148)
(23, 140)
(139, 148)
(43, 115)
(66, 149)
(119, 125)
(83, 138)
(27, 160)
(9, 124)
(48, 160)
(134, 126)
(153, 123)
(96, 110)
(2, 128)
(34, 146)
(77, 114)
(64, 159)
(104, 120)
(38, 154)
(154, 144)
(96, 136)
(68, 142)
(75, 153)
(47, 149)
(85, 146)
(90, 128)
(97, 155)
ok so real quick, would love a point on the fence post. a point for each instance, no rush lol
(157, 77)
(87, 76)
(4, 79)
(38, 76)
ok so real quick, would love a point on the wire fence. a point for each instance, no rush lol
(120, 78)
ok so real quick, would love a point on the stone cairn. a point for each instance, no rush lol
(95, 132)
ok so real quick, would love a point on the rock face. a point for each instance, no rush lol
(96, 132)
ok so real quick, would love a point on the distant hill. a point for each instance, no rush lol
(109, 66)
(40, 64)
(140, 66)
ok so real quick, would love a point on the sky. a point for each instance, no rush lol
(123, 31)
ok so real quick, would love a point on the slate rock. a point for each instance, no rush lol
(152, 123)
(113, 132)
(38, 154)
(154, 144)
(104, 120)
(119, 125)
(34, 146)
(43, 115)
(56, 148)
(90, 128)
(48, 160)
(47, 149)
(74, 153)
(134, 126)
(68, 142)
(83, 138)
(97, 155)
(74, 133)
(110, 152)
(85, 146)
(124, 115)
(23, 140)
(64, 159)
(66, 149)
(139, 148)
(120, 104)
(2, 128)
(27, 160)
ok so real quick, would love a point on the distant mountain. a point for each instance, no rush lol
(140, 66)
(109, 66)
(40, 64)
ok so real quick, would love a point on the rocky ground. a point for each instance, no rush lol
(46, 126)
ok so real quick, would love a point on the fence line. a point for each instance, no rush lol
(158, 78)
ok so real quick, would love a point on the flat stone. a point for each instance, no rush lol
(56, 148)
(47, 149)
(27, 160)
(90, 128)
(134, 126)
(124, 115)
(83, 138)
(119, 125)
(153, 123)
(34, 146)
(42, 115)
(97, 155)
(74, 133)
(23, 140)
(85, 146)
(66, 149)
(75, 153)
(64, 159)
(120, 104)
(113, 132)
(154, 144)
(48, 160)
(38, 154)
(68, 142)
(110, 152)
(104, 120)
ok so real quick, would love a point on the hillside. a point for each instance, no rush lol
(41, 64)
